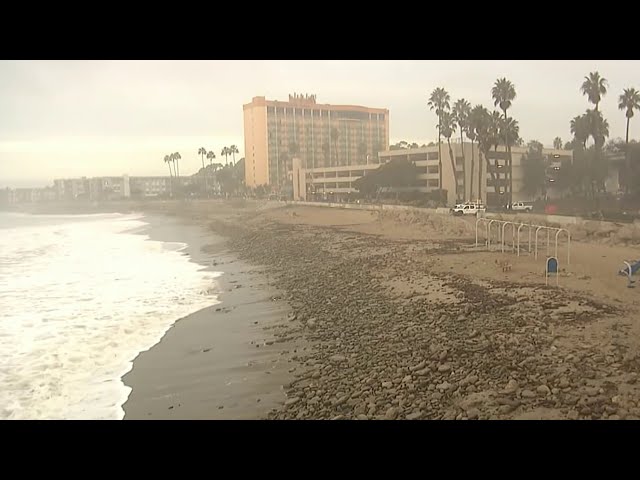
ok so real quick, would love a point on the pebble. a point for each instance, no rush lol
(444, 368)
(543, 390)
(391, 414)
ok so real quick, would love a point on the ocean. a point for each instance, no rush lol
(80, 297)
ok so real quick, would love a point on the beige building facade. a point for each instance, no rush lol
(320, 135)
(474, 179)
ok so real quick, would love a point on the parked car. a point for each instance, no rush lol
(468, 209)
(521, 207)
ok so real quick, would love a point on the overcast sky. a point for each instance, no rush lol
(75, 118)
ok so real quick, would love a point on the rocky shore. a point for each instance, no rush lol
(392, 340)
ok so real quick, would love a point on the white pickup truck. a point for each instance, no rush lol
(521, 207)
(468, 209)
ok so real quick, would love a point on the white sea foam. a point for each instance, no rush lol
(80, 297)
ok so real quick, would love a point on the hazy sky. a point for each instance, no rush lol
(75, 118)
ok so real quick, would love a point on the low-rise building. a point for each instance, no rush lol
(475, 177)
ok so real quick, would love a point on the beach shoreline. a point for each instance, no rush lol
(219, 362)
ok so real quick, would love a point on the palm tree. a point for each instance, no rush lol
(335, 135)
(494, 128)
(232, 151)
(594, 87)
(326, 150)
(628, 101)
(202, 152)
(503, 94)
(362, 151)
(439, 101)
(511, 131)
(461, 112)
(176, 158)
(167, 160)
(479, 128)
(448, 126)
(225, 153)
(557, 143)
(580, 130)
(210, 157)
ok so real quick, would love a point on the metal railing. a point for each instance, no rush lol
(516, 227)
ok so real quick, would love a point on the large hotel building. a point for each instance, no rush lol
(320, 135)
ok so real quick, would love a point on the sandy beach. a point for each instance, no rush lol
(345, 314)
(404, 319)
(220, 362)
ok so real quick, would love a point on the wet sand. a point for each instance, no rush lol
(220, 362)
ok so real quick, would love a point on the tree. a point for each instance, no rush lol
(397, 173)
(594, 87)
(557, 143)
(448, 129)
(628, 102)
(479, 123)
(494, 128)
(362, 151)
(225, 153)
(580, 130)
(326, 153)
(211, 156)
(202, 152)
(461, 112)
(176, 159)
(534, 177)
(168, 159)
(503, 94)
(232, 151)
(335, 135)
(439, 101)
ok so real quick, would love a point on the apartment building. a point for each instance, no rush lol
(320, 135)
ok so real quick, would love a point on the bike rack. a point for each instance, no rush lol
(515, 233)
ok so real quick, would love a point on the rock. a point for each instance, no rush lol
(419, 366)
(337, 358)
(505, 409)
(473, 413)
(414, 415)
(338, 417)
(511, 387)
(543, 390)
(614, 417)
(591, 391)
(341, 400)
(391, 414)
(444, 368)
(387, 384)
(563, 383)
(444, 386)
(423, 372)
(572, 415)
(527, 394)
(291, 401)
(362, 416)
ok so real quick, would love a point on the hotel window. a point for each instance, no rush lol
(432, 183)
(459, 160)
(432, 169)
(432, 156)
